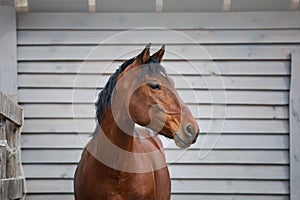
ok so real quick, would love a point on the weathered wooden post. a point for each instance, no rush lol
(11, 178)
(2, 148)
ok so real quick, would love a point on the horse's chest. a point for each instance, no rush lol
(154, 185)
(102, 182)
(135, 186)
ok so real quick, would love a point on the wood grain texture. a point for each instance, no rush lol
(12, 188)
(9, 109)
(11, 184)
(3, 155)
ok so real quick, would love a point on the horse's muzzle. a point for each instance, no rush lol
(188, 136)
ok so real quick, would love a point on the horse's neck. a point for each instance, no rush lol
(123, 151)
(144, 155)
(121, 137)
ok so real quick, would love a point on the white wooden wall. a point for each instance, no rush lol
(8, 58)
(252, 52)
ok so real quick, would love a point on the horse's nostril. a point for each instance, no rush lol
(190, 130)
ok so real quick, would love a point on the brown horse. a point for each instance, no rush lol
(125, 162)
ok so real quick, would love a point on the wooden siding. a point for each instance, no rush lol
(250, 52)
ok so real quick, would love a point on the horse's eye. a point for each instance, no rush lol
(154, 86)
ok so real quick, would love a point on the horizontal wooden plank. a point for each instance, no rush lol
(204, 142)
(200, 68)
(52, 156)
(176, 171)
(10, 109)
(228, 197)
(49, 186)
(48, 141)
(206, 126)
(175, 197)
(229, 172)
(61, 171)
(179, 186)
(181, 82)
(53, 196)
(59, 126)
(174, 156)
(214, 156)
(230, 186)
(173, 52)
(237, 142)
(199, 111)
(158, 36)
(188, 96)
(231, 20)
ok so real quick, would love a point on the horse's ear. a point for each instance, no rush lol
(144, 56)
(160, 53)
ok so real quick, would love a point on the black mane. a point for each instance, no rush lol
(104, 97)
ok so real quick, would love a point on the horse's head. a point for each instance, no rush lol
(153, 101)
